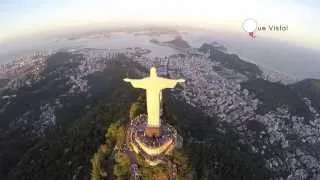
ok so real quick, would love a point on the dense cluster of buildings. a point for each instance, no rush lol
(222, 96)
(30, 65)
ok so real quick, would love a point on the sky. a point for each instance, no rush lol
(20, 18)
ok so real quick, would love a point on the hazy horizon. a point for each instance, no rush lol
(23, 18)
(289, 58)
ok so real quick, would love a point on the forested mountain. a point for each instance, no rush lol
(231, 61)
(81, 124)
(66, 121)
(309, 88)
(274, 95)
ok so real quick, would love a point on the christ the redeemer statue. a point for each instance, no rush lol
(154, 86)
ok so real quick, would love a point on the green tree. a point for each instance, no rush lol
(134, 110)
(138, 107)
(116, 133)
(146, 173)
(122, 165)
(112, 131)
(97, 170)
(179, 158)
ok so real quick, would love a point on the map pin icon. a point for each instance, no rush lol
(250, 26)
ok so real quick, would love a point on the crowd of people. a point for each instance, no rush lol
(138, 126)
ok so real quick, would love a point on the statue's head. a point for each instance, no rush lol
(153, 72)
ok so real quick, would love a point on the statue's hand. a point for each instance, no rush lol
(181, 80)
(126, 80)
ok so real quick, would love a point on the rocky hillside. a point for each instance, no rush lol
(274, 95)
(231, 61)
(309, 88)
(178, 42)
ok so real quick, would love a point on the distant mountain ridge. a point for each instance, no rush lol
(178, 42)
(218, 46)
(275, 95)
(309, 88)
(231, 61)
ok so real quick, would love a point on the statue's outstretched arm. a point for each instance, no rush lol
(136, 83)
(171, 83)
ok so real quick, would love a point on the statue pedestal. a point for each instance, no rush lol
(152, 131)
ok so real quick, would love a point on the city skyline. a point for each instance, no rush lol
(20, 19)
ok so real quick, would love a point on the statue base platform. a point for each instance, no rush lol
(151, 143)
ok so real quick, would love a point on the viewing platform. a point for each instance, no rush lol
(152, 148)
